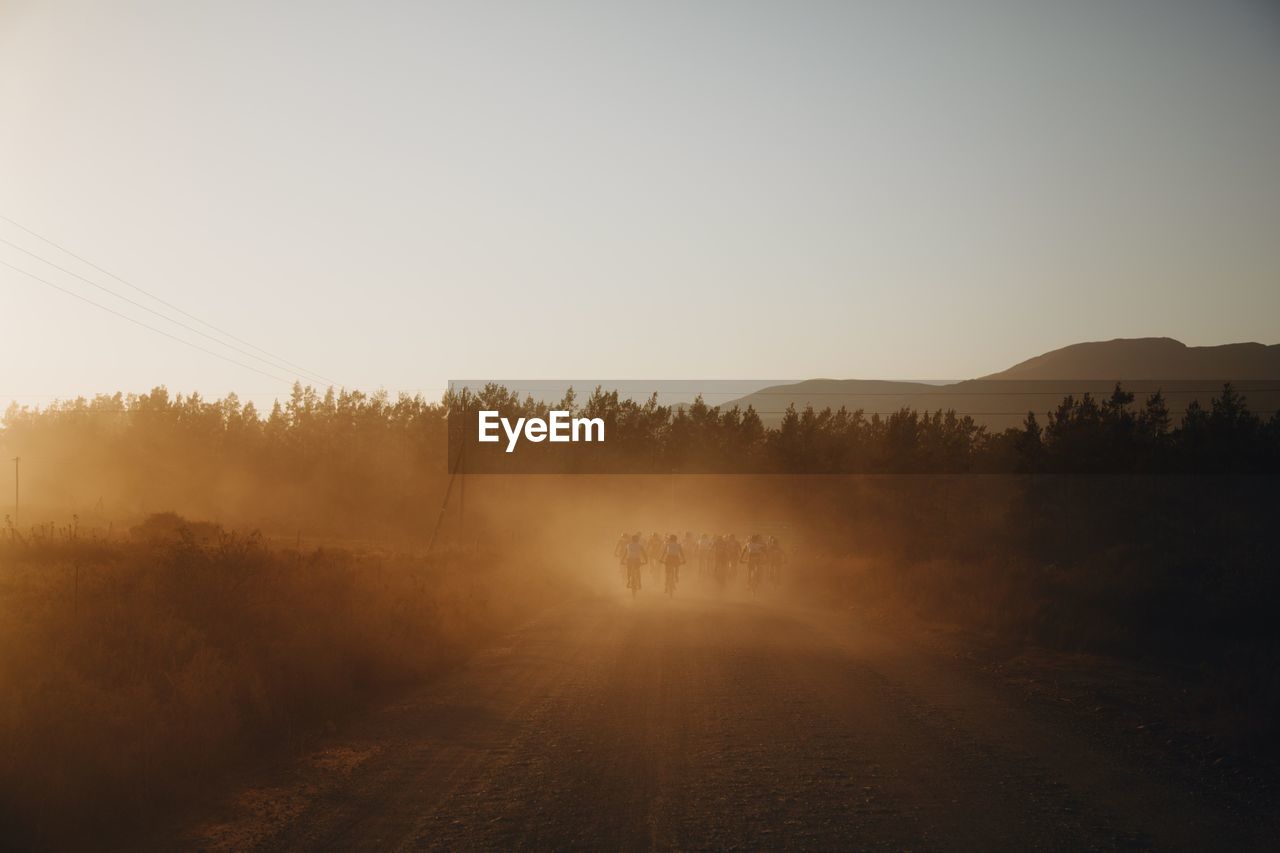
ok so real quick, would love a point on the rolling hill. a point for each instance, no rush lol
(1150, 358)
(1000, 400)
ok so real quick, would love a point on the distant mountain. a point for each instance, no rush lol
(671, 392)
(871, 395)
(1001, 400)
(1150, 358)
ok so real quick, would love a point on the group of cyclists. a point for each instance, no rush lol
(718, 557)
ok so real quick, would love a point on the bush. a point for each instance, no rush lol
(134, 672)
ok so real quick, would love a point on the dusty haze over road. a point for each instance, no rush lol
(711, 724)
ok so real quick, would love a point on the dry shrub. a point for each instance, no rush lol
(133, 673)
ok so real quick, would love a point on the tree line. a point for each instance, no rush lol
(326, 458)
(1082, 435)
(342, 431)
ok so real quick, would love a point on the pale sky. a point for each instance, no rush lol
(393, 194)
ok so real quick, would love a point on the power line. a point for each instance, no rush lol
(938, 404)
(145, 325)
(1053, 392)
(684, 403)
(167, 304)
(162, 316)
(242, 395)
(930, 414)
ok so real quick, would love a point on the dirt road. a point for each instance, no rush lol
(613, 724)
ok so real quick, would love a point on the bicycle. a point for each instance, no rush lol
(753, 554)
(755, 572)
(634, 576)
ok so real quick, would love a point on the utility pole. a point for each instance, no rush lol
(17, 495)
(462, 504)
(444, 504)
(674, 522)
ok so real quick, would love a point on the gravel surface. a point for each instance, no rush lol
(696, 723)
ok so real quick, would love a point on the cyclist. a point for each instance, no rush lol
(734, 549)
(704, 554)
(634, 559)
(653, 550)
(673, 559)
(620, 553)
(776, 558)
(753, 554)
(722, 556)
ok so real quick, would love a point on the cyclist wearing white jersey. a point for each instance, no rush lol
(635, 558)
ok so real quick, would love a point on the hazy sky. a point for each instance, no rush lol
(391, 194)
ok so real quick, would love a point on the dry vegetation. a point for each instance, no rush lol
(138, 667)
(1172, 574)
(135, 671)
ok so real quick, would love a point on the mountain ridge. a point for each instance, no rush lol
(1038, 384)
(1149, 358)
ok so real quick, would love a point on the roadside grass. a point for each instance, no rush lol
(1216, 659)
(1174, 575)
(135, 673)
